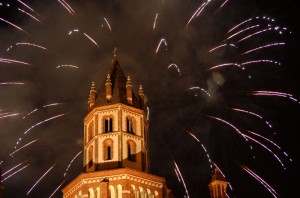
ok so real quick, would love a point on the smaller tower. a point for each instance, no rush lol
(108, 88)
(141, 96)
(218, 185)
(92, 96)
(129, 90)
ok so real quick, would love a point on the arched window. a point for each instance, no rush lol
(130, 124)
(108, 124)
(131, 150)
(90, 156)
(90, 131)
(108, 149)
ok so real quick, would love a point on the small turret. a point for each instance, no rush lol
(92, 97)
(129, 90)
(218, 185)
(141, 96)
(108, 87)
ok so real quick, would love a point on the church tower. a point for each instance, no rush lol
(218, 185)
(116, 159)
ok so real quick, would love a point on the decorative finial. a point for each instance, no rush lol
(115, 51)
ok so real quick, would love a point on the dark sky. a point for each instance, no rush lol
(174, 107)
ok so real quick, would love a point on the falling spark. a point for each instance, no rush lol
(12, 83)
(40, 179)
(197, 12)
(256, 33)
(203, 147)
(223, 45)
(53, 104)
(187, 193)
(226, 64)
(71, 162)
(160, 42)
(15, 173)
(28, 14)
(8, 171)
(91, 39)
(154, 23)
(238, 25)
(199, 88)
(58, 187)
(5, 60)
(25, 5)
(32, 44)
(267, 148)
(176, 66)
(37, 124)
(261, 47)
(261, 61)
(1, 19)
(274, 93)
(259, 179)
(108, 25)
(59, 66)
(67, 6)
(234, 127)
(8, 115)
(23, 147)
(241, 31)
(222, 174)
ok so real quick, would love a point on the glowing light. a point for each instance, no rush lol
(73, 66)
(23, 147)
(71, 163)
(262, 47)
(91, 39)
(1, 19)
(160, 42)
(181, 178)
(108, 25)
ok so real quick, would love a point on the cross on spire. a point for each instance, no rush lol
(115, 51)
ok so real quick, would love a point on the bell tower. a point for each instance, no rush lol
(115, 128)
(116, 159)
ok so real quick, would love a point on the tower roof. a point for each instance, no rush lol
(218, 176)
(118, 80)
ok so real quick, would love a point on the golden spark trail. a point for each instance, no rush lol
(5, 115)
(199, 88)
(31, 44)
(65, 5)
(40, 179)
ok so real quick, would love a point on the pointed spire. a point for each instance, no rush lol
(108, 87)
(141, 96)
(92, 96)
(129, 90)
(218, 185)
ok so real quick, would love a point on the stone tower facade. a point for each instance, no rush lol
(218, 185)
(116, 160)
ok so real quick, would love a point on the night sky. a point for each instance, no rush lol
(63, 49)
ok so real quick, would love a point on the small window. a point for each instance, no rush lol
(131, 150)
(130, 123)
(108, 149)
(108, 125)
